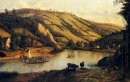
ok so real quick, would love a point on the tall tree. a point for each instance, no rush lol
(14, 12)
(24, 43)
(14, 42)
(126, 40)
(6, 11)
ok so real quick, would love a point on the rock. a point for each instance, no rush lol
(112, 61)
(104, 62)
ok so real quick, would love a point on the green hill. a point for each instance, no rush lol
(113, 40)
(52, 28)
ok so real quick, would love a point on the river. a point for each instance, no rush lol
(57, 63)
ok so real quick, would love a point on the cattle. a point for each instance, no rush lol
(82, 64)
(72, 67)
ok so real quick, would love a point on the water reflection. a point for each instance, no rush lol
(57, 63)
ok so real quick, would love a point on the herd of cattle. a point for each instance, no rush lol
(73, 67)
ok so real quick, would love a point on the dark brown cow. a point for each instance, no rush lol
(72, 67)
(82, 64)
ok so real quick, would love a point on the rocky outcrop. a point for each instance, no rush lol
(46, 36)
(112, 61)
(105, 62)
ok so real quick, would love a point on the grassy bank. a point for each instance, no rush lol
(80, 75)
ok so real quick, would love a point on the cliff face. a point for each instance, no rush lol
(46, 36)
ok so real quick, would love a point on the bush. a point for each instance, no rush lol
(7, 74)
(2, 54)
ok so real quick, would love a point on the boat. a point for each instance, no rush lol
(29, 59)
(36, 60)
(71, 55)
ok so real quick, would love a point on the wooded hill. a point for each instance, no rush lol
(33, 27)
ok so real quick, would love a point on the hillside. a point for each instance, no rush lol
(52, 28)
(113, 40)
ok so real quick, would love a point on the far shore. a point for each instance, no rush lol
(36, 52)
(45, 52)
(96, 49)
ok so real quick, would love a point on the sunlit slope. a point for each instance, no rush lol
(75, 28)
(3, 33)
(66, 25)
(55, 27)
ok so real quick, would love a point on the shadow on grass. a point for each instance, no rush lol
(7, 76)
(51, 76)
(59, 76)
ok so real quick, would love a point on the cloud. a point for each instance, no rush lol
(29, 4)
(98, 10)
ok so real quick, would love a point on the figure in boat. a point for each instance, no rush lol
(71, 55)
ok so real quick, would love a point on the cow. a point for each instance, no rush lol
(72, 67)
(82, 64)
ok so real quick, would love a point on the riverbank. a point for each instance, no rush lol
(35, 52)
(111, 51)
(54, 73)
(44, 52)
(80, 75)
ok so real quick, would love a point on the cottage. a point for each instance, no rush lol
(5, 42)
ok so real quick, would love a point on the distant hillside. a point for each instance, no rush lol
(113, 40)
(52, 28)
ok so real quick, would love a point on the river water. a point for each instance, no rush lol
(57, 63)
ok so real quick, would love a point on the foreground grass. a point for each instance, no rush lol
(80, 75)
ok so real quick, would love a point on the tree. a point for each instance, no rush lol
(126, 46)
(14, 42)
(70, 43)
(14, 12)
(6, 11)
(24, 43)
(123, 58)
(80, 44)
(0, 42)
(126, 38)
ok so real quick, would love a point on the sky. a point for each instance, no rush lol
(102, 11)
